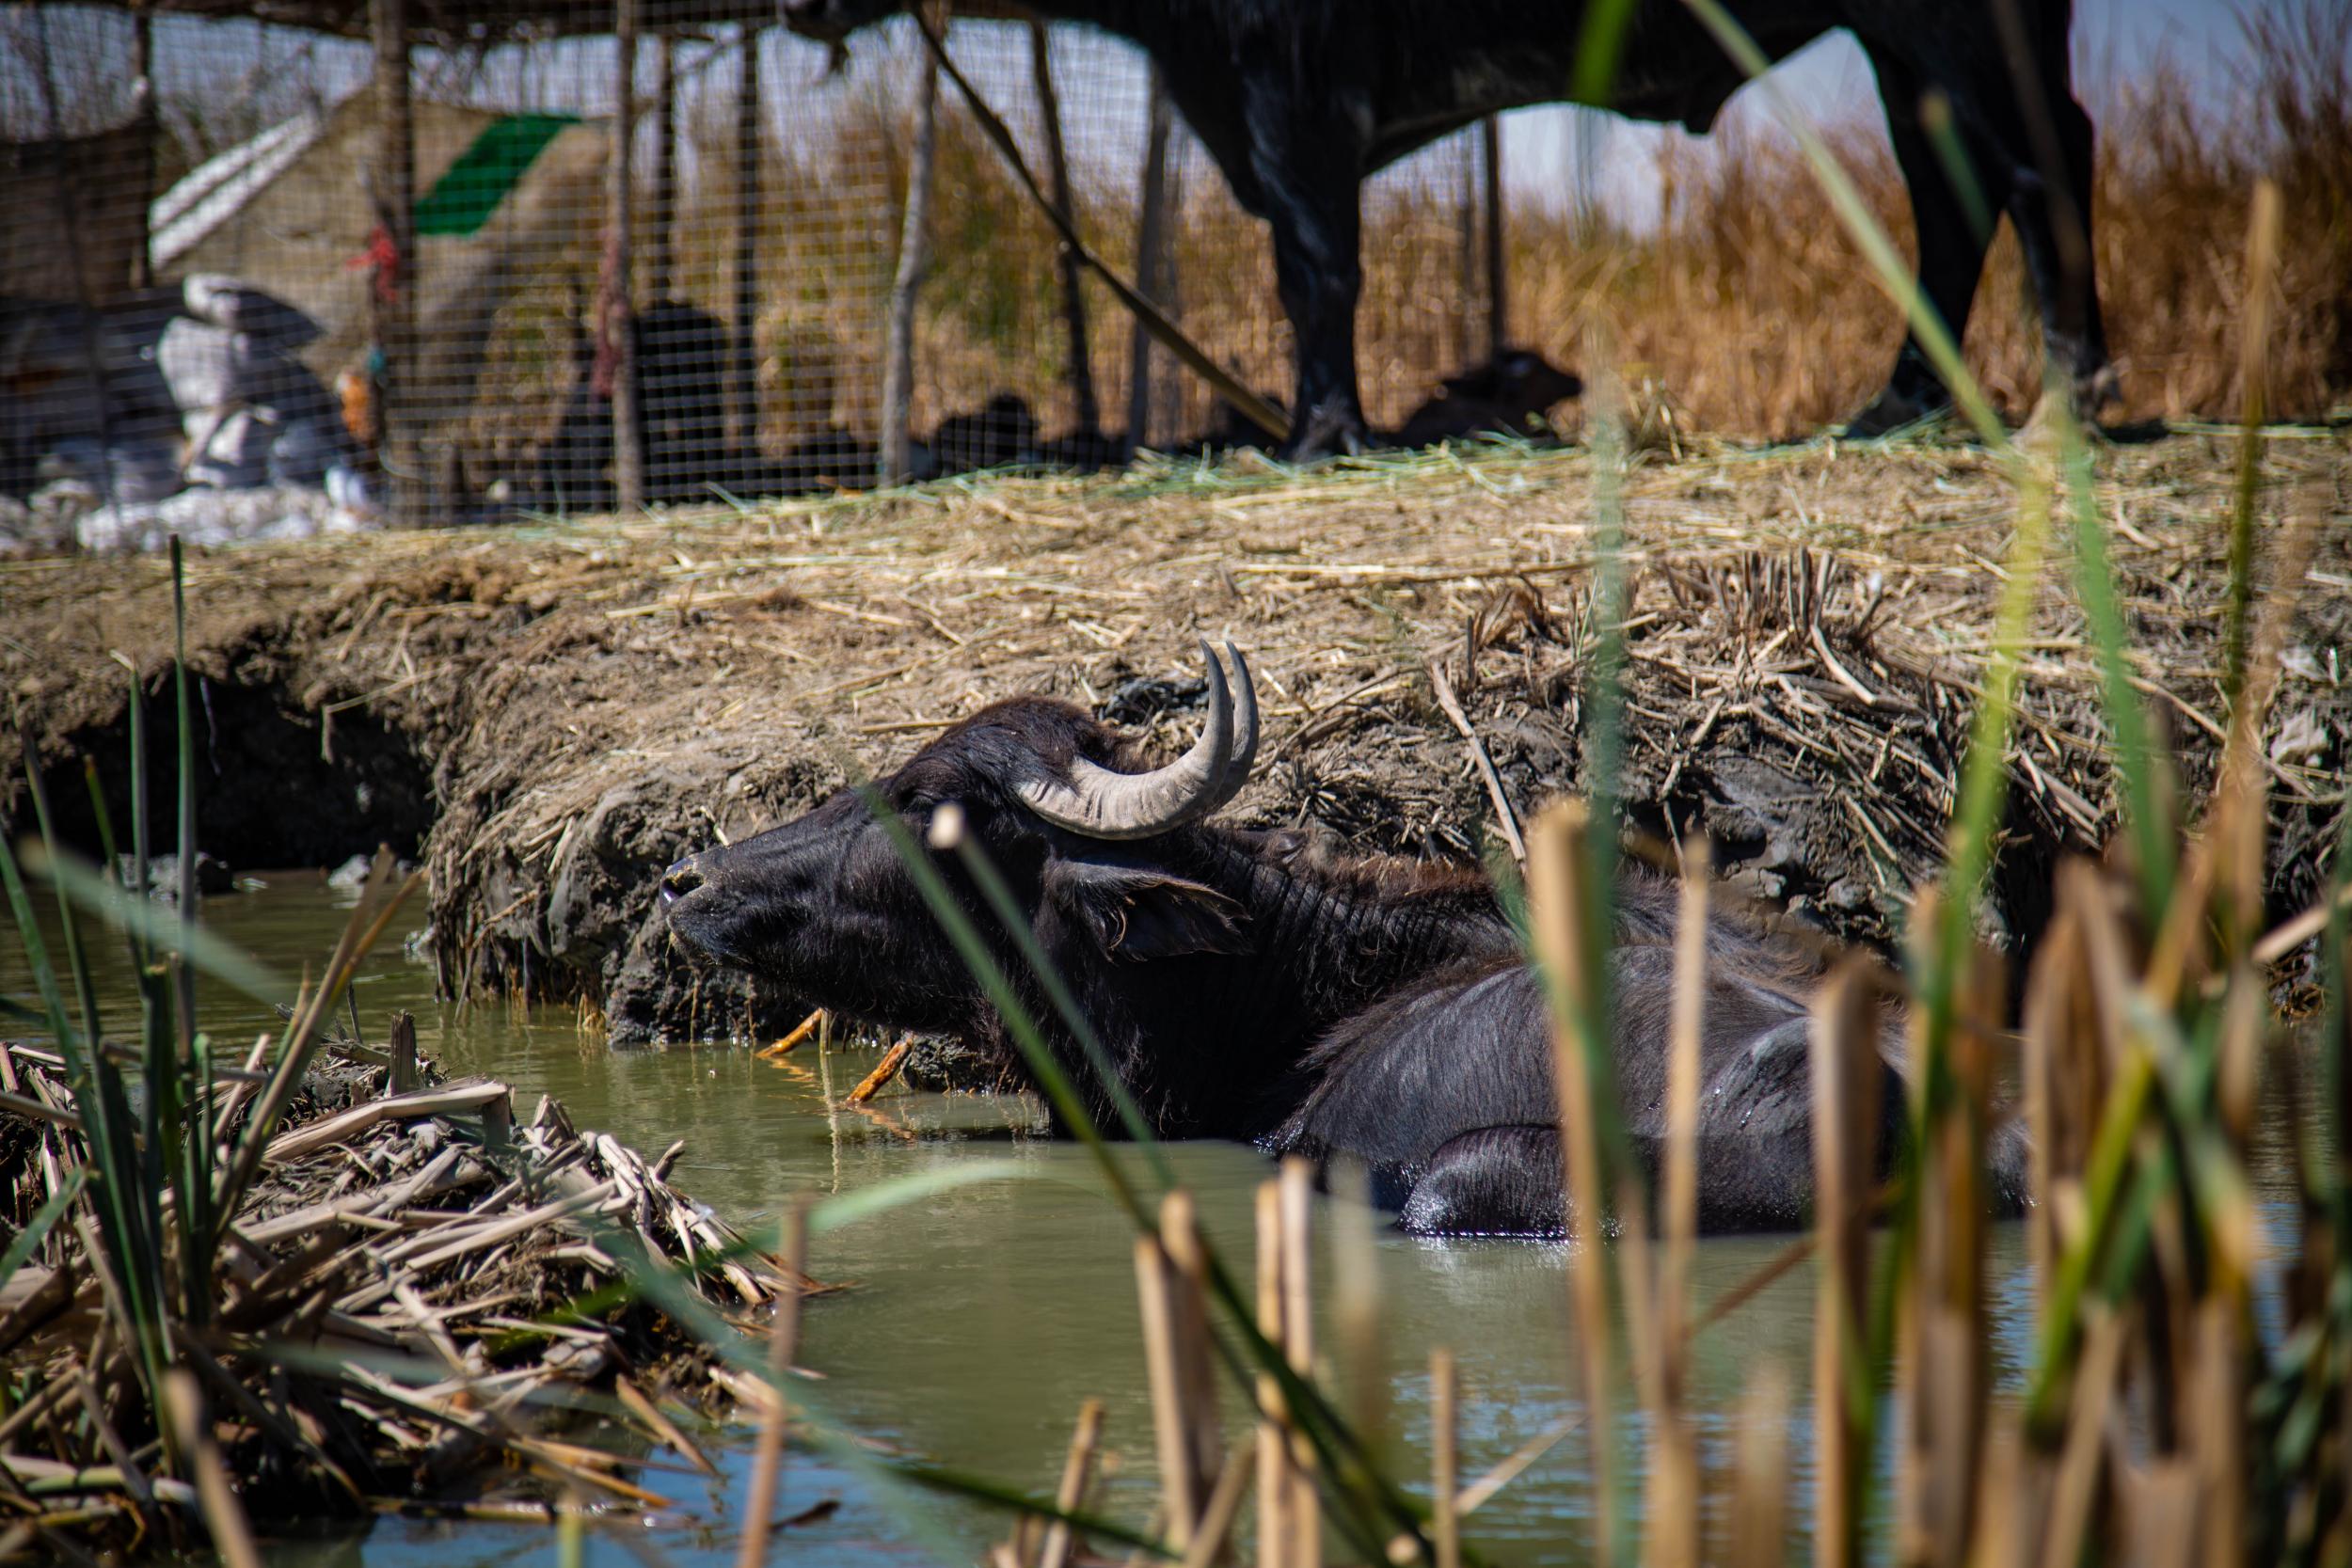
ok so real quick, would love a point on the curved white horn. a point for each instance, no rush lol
(1244, 758)
(1099, 804)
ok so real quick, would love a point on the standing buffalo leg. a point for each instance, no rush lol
(1952, 245)
(1307, 171)
(2051, 208)
(2028, 146)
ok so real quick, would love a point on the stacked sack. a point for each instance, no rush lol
(253, 414)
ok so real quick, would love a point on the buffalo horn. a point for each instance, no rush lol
(1098, 803)
(1245, 756)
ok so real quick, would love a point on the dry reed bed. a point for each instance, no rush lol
(402, 1221)
(1807, 630)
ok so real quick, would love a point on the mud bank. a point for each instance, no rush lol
(551, 715)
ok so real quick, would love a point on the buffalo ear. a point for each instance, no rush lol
(1137, 913)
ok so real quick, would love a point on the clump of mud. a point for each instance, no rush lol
(1808, 630)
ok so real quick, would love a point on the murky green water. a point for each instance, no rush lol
(980, 1318)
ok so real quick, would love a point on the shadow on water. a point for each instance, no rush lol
(981, 1318)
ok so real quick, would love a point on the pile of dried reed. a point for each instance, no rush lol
(419, 1300)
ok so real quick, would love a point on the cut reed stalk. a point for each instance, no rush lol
(1672, 1485)
(1078, 1475)
(1217, 1521)
(796, 1037)
(1174, 1360)
(784, 1337)
(1943, 1324)
(2261, 279)
(1759, 1484)
(1845, 1066)
(1444, 1468)
(1558, 898)
(1305, 1510)
(1356, 1302)
(224, 1516)
(1274, 1489)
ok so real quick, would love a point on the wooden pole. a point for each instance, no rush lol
(1468, 285)
(897, 463)
(1150, 264)
(664, 280)
(143, 66)
(1498, 298)
(391, 299)
(747, 192)
(628, 424)
(1083, 408)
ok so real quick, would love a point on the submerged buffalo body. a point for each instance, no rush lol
(1298, 101)
(1255, 985)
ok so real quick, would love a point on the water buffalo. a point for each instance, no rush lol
(1508, 394)
(1261, 986)
(1298, 101)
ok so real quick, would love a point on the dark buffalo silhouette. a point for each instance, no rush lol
(1261, 986)
(1509, 394)
(999, 435)
(1298, 101)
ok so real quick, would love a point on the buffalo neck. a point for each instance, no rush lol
(1210, 1043)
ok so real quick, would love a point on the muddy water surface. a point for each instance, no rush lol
(980, 1318)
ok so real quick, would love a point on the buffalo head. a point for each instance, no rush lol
(826, 904)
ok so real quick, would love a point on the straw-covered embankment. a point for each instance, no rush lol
(561, 711)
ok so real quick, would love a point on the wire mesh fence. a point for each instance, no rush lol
(260, 278)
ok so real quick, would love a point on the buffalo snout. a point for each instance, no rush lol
(680, 879)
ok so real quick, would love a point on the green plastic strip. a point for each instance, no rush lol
(470, 189)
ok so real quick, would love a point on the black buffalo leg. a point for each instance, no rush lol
(1952, 246)
(1307, 169)
(2029, 144)
(2051, 209)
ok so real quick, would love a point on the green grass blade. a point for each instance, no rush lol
(899, 1192)
(370, 919)
(97, 1086)
(1358, 1486)
(981, 964)
(1604, 710)
(188, 895)
(1600, 49)
(68, 928)
(1985, 777)
(165, 1144)
(37, 961)
(136, 711)
(1943, 134)
(110, 855)
(2335, 1030)
(162, 930)
(983, 872)
(2138, 762)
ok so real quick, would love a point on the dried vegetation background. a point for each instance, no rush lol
(1808, 624)
(1746, 309)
